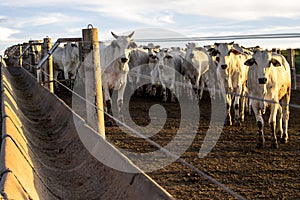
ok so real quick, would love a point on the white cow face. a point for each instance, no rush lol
(120, 45)
(164, 59)
(152, 50)
(123, 61)
(261, 62)
(222, 53)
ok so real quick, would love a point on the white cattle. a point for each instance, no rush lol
(195, 63)
(114, 67)
(232, 77)
(144, 59)
(168, 67)
(152, 50)
(152, 61)
(66, 59)
(138, 58)
(269, 79)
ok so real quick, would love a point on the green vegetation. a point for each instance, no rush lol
(297, 59)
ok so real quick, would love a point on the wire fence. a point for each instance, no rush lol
(181, 84)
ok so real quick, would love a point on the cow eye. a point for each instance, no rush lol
(218, 59)
(168, 57)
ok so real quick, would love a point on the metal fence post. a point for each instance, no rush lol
(93, 83)
(291, 61)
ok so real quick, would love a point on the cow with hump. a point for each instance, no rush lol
(114, 66)
(194, 65)
(66, 59)
(232, 77)
(269, 79)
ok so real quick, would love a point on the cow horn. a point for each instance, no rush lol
(131, 34)
(115, 36)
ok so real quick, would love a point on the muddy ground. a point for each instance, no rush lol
(234, 161)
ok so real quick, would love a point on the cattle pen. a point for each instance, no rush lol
(43, 132)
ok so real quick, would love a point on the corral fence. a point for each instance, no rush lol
(89, 43)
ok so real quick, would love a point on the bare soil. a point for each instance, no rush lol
(235, 161)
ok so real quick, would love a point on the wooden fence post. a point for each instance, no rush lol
(48, 66)
(93, 83)
(20, 63)
(291, 61)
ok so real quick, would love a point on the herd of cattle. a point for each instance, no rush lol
(228, 70)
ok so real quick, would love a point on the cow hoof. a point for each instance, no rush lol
(260, 145)
(108, 123)
(274, 145)
(283, 140)
(237, 123)
(227, 122)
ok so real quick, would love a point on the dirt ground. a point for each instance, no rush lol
(234, 161)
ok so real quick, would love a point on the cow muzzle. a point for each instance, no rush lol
(124, 60)
(262, 80)
(152, 56)
(224, 66)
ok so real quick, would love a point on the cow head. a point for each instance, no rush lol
(189, 65)
(222, 53)
(123, 61)
(164, 59)
(152, 50)
(260, 63)
(120, 44)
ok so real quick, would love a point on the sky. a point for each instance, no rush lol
(24, 20)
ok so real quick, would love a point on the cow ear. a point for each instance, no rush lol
(157, 47)
(145, 47)
(114, 43)
(199, 48)
(169, 56)
(131, 34)
(236, 52)
(74, 45)
(115, 36)
(213, 52)
(231, 43)
(250, 62)
(275, 62)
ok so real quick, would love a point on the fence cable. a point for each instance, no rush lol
(182, 161)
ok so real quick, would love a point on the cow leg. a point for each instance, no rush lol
(66, 76)
(243, 103)
(172, 91)
(55, 75)
(228, 105)
(108, 109)
(202, 85)
(120, 102)
(165, 93)
(153, 74)
(285, 114)
(260, 125)
(272, 122)
(237, 103)
(279, 130)
(237, 111)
